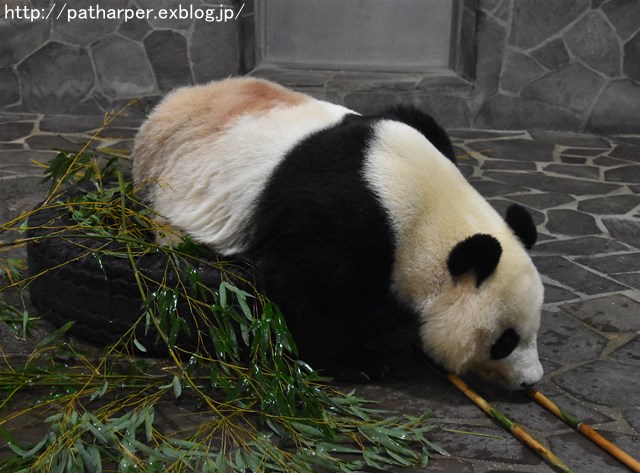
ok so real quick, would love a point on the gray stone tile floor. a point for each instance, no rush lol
(584, 193)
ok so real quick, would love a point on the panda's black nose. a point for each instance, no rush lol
(526, 385)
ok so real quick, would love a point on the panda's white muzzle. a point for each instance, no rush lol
(522, 369)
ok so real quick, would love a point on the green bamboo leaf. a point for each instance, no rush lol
(169, 451)
(139, 345)
(174, 330)
(94, 453)
(117, 424)
(24, 225)
(28, 453)
(97, 433)
(89, 459)
(436, 448)
(73, 419)
(308, 430)
(361, 413)
(401, 460)
(379, 437)
(177, 387)
(149, 451)
(54, 418)
(148, 423)
(245, 331)
(127, 465)
(220, 463)
(98, 393)
(424, 461)
(17, 450)
(25, 324)
(240, 464)
(55, 335)
(222, 294)
(244, 305)
(372, 459)
(185, 444)
(69, 463)
(241, 297)
(337, 448)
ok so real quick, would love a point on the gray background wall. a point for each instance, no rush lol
(551, 64)
(572, 64)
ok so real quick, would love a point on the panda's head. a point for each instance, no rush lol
(486, 316)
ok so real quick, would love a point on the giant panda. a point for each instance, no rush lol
(349, 220)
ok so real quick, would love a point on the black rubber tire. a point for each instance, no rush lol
(101, 296)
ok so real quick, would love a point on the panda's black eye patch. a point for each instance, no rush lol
(505, 344)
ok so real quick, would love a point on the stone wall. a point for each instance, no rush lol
(549, 64)
(88, 66)
(564, 64)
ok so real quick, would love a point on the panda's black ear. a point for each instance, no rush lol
(522, 225)
(479, 253)
(425, 124)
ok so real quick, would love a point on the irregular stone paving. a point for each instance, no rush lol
(584, 194)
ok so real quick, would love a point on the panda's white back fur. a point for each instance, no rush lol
(432, 207)
(431, 204)
(205, 164)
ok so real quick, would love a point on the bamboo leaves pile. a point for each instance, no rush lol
(253, 404)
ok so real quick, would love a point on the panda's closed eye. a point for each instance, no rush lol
(505, 344)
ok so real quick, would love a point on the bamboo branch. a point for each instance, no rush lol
(516, 429)
(585, 430)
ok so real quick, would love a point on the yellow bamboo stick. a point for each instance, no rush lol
(514, 428)
(585, 430)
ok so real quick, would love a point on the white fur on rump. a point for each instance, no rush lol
(432, 208)
(206, 152)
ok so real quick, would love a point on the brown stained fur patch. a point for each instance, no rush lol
(189, 115)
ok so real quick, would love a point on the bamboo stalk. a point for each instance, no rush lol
(585, 430)
(512, 427)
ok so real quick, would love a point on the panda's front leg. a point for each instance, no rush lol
(335, 325)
